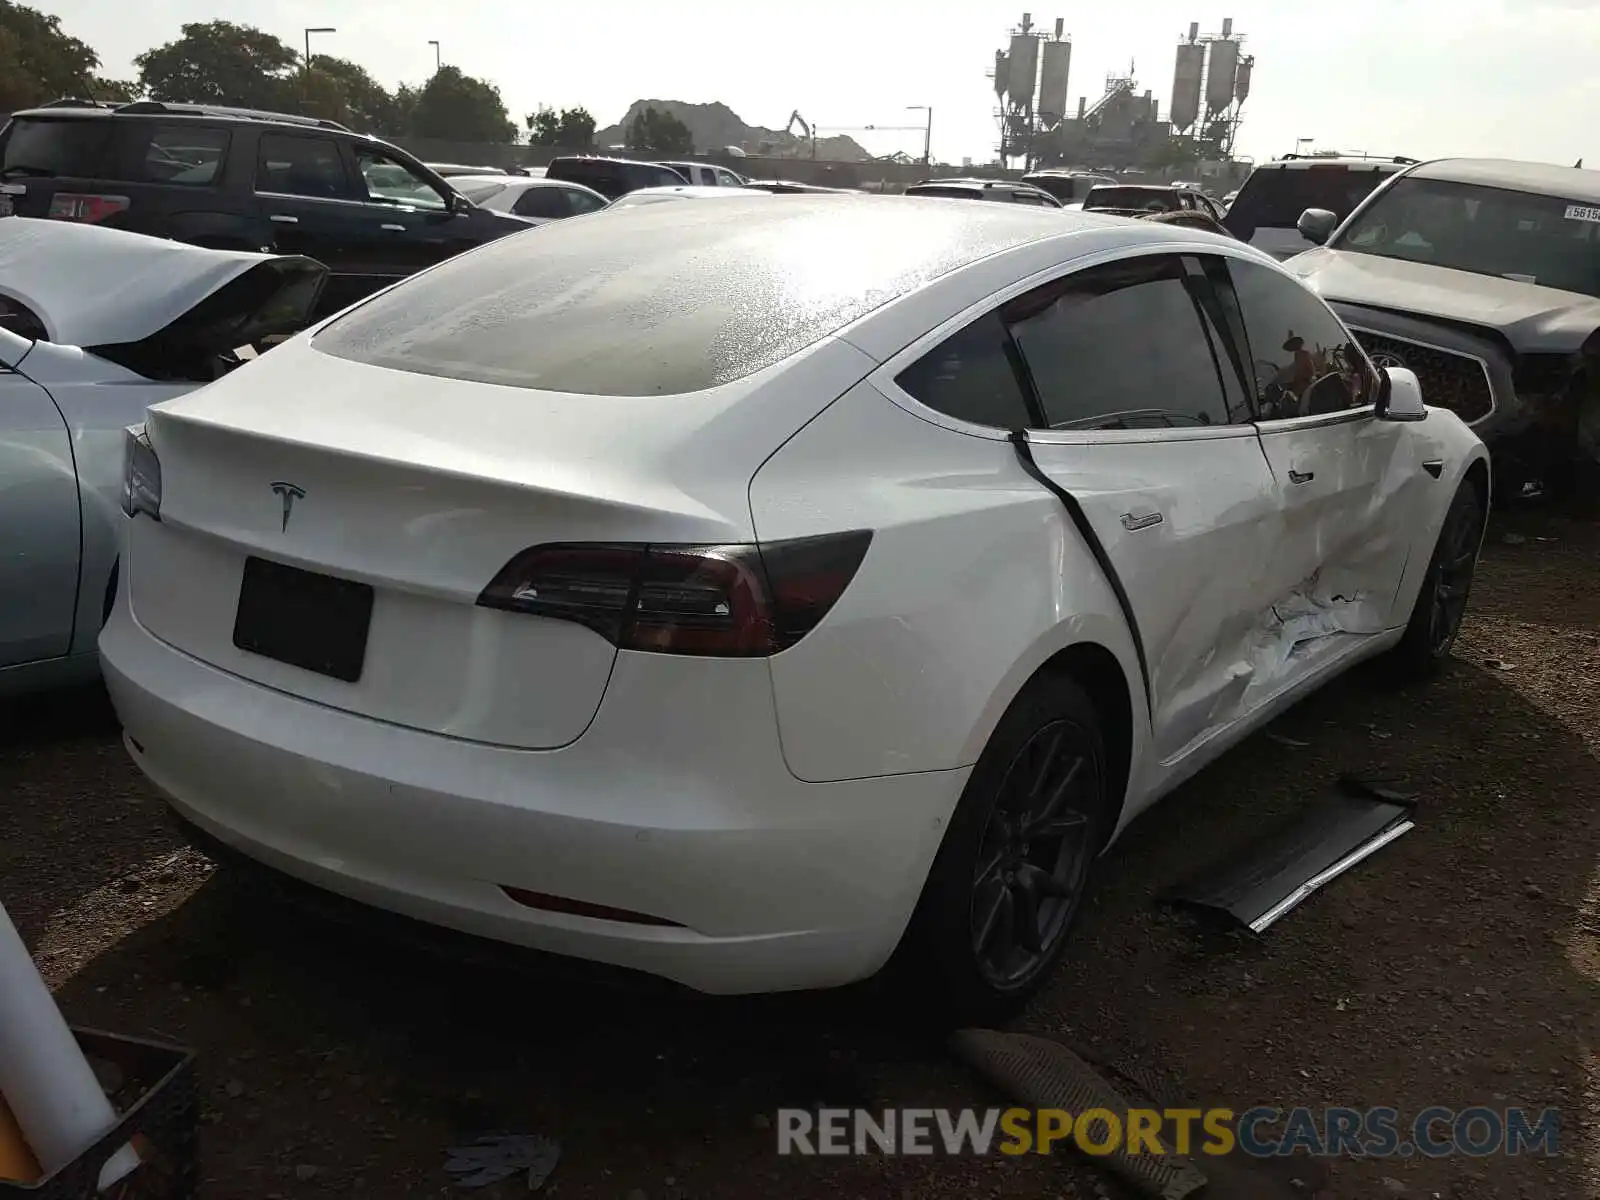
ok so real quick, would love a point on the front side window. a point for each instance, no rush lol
(390, 181)
(1122, 346)
(1523, 236)
(969, 376)
(726, 178)
(1303, 360)
(289, 165)
(186, 156)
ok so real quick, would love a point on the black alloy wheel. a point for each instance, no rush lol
(1014, 864)
(1035, 854)
(1456, 559)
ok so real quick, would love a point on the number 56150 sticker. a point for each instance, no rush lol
(1582, 212)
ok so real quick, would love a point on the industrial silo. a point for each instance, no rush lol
(1241, 78)
(1022, 70)
(1053, 81)
(1185, 110)
(1219, 74)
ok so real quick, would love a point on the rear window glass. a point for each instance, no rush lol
(1275, 197)
(1139, 199)
(479, 192)
(665, 299)
(939, 189)
(50, 149)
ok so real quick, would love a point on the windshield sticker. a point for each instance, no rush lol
(1583, 212)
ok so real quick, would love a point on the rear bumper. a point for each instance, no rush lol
(675, 803)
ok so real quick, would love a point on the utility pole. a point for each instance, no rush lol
(309, 32)
(437, 59)
(927, 131)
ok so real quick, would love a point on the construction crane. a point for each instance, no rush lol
(805, 128)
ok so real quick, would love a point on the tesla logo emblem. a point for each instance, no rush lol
(1388, 360)
(288, 493)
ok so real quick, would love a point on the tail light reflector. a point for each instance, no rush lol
(86, 207)
(582, 908)
(724, 601)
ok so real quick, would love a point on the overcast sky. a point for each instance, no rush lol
(1500, 78)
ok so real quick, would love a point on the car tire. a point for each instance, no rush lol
(1442, 599)
(1024, 836)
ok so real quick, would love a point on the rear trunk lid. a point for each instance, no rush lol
(423, 488)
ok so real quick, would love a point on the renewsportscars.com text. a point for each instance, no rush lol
(1260, 1132)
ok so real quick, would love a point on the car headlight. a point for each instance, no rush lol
(141, 475)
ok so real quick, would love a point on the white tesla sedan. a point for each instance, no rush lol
(741, 592)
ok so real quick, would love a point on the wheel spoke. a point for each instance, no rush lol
(1059, 826)
(989, 869)
(1048, 754)
(1048, 811)
(1039, 882)
(1027, 916)
(996, 913)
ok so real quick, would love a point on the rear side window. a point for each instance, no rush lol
(55, 149)
(551, 203)
(1274, 197)
(662, 177)
(605, 178)
(969, 376)
(186, 156)
(302, 166)
(1121, 346)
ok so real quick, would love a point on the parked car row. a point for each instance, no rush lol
(730, 504)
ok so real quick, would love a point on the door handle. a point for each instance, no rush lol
(1144, 521)
(392, 228)
(284, 219)
(1301, 476)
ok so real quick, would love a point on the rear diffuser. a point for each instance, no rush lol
(1272, 875)
(1040, 1073)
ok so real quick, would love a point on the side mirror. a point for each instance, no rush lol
(1316, 225)
(1400, 396)
(459, 204)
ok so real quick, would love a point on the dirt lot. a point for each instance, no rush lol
(1460, 966)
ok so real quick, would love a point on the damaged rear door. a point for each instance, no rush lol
(1350, 483)
(1145, 435)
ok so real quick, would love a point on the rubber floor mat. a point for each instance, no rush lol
(1040, 1073)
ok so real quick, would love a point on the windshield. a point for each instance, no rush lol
(1548, 240)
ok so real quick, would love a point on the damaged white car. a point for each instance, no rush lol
(742, 592)
(95, 326)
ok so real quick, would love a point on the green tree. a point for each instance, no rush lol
(38, 62)
(219, 62)
(657, 132)
(570, 129)
(119, 90)
(457, 107)
(358, 100)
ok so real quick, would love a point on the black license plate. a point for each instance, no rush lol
(304, 619)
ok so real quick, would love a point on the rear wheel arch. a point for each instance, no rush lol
(1098, 672)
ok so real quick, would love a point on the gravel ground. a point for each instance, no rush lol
(1460, 966)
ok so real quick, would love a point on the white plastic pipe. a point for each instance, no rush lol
(45, 1079)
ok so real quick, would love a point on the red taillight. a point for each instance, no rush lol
(722, 601)
(582, 908)
(86, 207)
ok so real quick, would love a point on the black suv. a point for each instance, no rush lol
(244, 180)
(613, 177)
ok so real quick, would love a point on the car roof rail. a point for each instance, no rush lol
(173, 108)
(74, 102)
